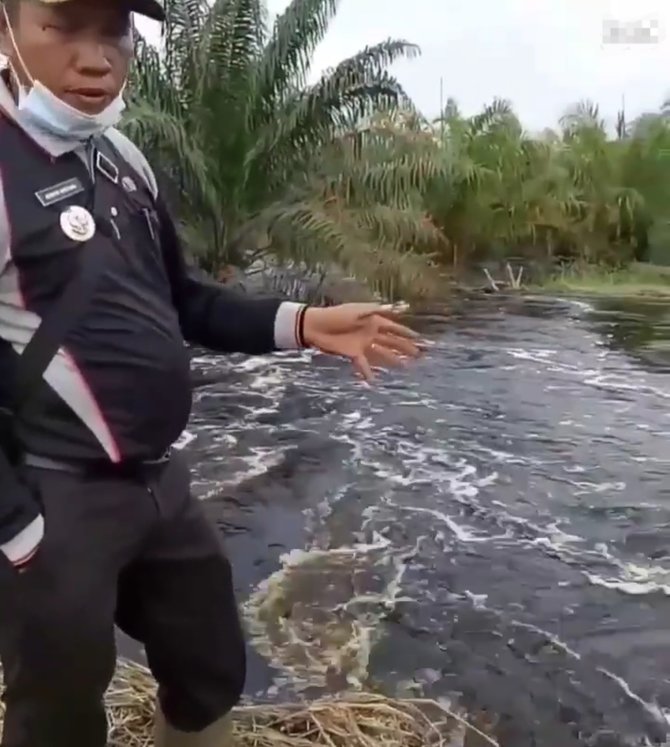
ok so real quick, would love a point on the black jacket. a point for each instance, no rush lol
(120, 386)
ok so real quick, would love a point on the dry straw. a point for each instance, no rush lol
(359, 720)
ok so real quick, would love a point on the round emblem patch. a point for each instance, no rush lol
(77, 223)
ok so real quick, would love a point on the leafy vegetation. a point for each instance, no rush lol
(343, 174)
(259, 160)
(571, 195)
(637, 279)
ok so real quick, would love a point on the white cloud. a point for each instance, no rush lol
(543, 55)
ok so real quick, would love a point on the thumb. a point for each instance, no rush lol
(387, 310)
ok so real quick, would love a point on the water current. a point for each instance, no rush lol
(491, 526)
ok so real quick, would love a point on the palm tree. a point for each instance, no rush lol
(645, 167)
(574, 194)
(503, 189)
(259, 161)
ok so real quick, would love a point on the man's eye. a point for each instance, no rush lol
(113, 31)
(61, 27)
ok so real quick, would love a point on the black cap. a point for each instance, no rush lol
(149, 8)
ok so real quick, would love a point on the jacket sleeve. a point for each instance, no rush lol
(21, 524)
(220, 318)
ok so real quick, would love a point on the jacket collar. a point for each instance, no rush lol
(52, 144)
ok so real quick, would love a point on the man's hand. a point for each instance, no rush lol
(366, 333)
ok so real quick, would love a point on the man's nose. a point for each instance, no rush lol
(93, 59)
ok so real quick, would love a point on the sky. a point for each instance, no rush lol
(542, 55)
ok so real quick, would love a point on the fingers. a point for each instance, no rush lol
(383, 357)
(398, 344)
(392, 343)
(393, 328)
(362, 366)
(384, 317)
(387, 351)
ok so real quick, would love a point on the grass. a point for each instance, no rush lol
(637, 280)
(354, 720)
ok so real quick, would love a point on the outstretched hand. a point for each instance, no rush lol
(366, 333)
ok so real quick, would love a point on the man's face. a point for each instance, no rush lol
(80, 50)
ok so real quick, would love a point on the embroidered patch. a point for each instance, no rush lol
(57, 192)
(77, 223)
(106, 167)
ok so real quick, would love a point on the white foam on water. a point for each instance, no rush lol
(267, 378)
(401, 462)
(390, 595)
(478, 600)
(538, 355)
(625, 576)
(184, 440)
(267, 381)
(581, 305)
(317, 515)
(576, 303)
(461, 532)
(458, 480)
(584, 487)
(260, 461)
(657, 713)
(652, 709)
(553, 639)
(634, 579)
(202, 361)
(621, 383)
(324, 637)
(594, 371)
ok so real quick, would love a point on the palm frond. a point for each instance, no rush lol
(286, 59)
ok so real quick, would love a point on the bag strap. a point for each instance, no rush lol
(51, 333)
(63, 315)
(43, 346)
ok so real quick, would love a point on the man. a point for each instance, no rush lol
(97, 525)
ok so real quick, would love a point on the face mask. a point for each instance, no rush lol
(41, 109)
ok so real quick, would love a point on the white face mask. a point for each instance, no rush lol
(41, 109)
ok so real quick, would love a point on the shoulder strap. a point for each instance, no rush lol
(51, 333)
(68, 308)
(43, 346)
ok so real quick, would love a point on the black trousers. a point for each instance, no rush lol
(137, 552)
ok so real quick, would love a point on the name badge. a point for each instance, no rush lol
(57, 192)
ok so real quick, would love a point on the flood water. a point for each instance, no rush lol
(491, 526)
